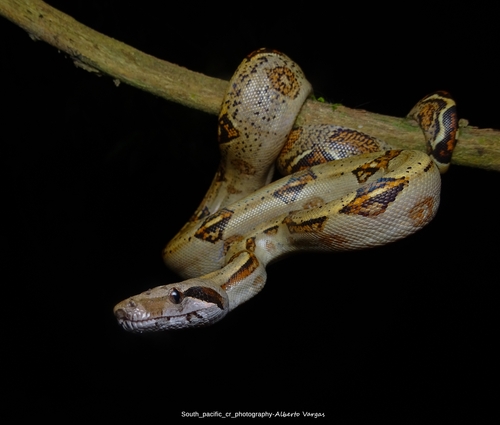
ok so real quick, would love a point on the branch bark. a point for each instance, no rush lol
(96, 52)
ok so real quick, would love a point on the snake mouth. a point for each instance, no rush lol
(153, 324)
(138, 326)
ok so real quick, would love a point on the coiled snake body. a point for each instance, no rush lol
(344, 190)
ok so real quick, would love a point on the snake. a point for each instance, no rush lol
(341, 190)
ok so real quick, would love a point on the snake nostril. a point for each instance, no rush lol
(120, 314)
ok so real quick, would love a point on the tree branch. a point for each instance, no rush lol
(96, 52)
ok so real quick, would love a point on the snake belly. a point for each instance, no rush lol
(343, 190)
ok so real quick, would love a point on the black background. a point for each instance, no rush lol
(97, 178)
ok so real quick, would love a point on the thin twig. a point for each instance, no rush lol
(96, 52)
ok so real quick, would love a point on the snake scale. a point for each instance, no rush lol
(343, 190)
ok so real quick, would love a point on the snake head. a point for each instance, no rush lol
(188, 304)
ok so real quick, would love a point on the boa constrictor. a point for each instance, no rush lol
(344, 190)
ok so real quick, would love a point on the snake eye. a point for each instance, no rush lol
(176, 296)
